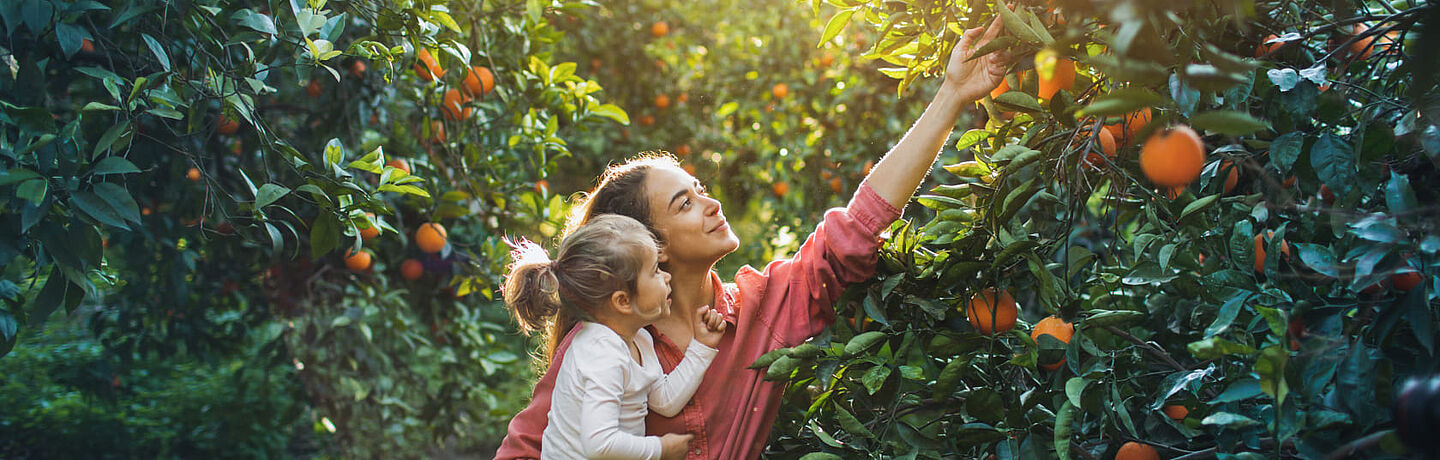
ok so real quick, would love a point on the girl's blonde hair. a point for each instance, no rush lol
(595, 260)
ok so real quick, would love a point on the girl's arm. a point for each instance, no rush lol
(902, 169)
(670, 394)
(604, 369)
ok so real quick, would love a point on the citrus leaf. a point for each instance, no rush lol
(836, 24)
(1228, 122)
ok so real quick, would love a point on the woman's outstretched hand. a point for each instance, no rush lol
(709, 327)
(973, 79)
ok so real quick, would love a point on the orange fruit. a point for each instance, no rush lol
(1063, 78)
(226, 125)
(193, 174)
(454, 108)
(1127, 129)
(399, 164)
(371, 231)
(427, 68)
(430, 237)
(780, 189)
(1136, 451)
(689, 169)
(1267, 48)
(682, 98)
(314, 88)
(1002, 89)
(1055, 327)
(1260, 250)
(1327, 195)
(479, 81)
(780, 91)
(869, 165)
(662, 102)
(1368, 46)
(357, 69)
(437, 132)
(683, 150)
(541, 186)
(826, 60)
(146, 211)
(1174, 192)
(659, 29)
(1406, 281)
(990, 314)
(1173, 157)
(1176, 412)
(1107, 146)
(647, 120)
(357, 261)
(836, 185)
(1232, 175)
(411, 269)
(87, 46)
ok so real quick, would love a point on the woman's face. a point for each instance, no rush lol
(689, 220)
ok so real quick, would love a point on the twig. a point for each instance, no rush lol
(1357, 445)
(1148, 347)
(1210, 453)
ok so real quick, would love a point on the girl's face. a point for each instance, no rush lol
(688, 219)
(652, 296)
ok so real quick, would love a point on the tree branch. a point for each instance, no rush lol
(1357, 445)
(1159, 353)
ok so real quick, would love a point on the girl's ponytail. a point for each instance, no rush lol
(531, 287)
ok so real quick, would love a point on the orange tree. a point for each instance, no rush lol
(777, 128)
(194, 173)
(1267, 301)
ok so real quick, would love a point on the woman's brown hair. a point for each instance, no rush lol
(596, 260)
(621, 191)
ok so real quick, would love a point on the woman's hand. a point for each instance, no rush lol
(709, 326)
(673, 446)
(973, 79)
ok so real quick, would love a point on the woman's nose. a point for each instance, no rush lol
(712, 206)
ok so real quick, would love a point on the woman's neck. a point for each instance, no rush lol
(689, 290)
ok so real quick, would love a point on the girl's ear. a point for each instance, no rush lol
(620, 301)
(663, 257)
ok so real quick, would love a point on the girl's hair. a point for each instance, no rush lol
(621, 191)
(596, 260)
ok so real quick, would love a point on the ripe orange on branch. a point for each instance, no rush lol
(454, 108)
(1260, 250)
(371, 231)
(1136, 451)
(1130, 126)
(1107, 147)
(1062, 78)
(193, 174)
(411, 269)
(399, 164)
(427, 68)
(780, 91)
(227, 125)
(430, 237)
(659, 29)
(1176, 412)
(1266, 47)
(357, 261)
(1173, 157)
(662, 102)
(1055, 327)
(992, 312)
(314, 89)
(1232, 175)
(479, 81)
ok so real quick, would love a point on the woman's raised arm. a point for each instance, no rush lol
(897, 175)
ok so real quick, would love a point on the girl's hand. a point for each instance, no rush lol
(673, 446)
(709, 326)
(972, 80)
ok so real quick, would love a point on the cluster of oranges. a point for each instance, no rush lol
(478, 82)
(431, 238)
(992, 311)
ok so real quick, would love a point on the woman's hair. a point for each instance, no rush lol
(621, 191)
(596, 260)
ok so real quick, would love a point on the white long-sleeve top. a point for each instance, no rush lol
(602, 395)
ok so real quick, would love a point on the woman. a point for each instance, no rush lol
(790, 301)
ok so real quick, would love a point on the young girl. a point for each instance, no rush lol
(607, 278)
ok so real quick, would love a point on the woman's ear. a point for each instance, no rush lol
(620, 301)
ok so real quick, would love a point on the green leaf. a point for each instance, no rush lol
(120, 200)
(766, 359)
(1228, 122)
(1198, 205)
(268, 193)
(1019, 101)
(1226, 315)
(972, 137)
(96, 207)
(71, 37)
(407, 189)
(949, 377)
(1271, 369)
(1239, 390)
(781, 368)
(1319, 258)
(1216, 347)
(1286, 149)
(324, 234)
(33, 190)
(111, 135)
(613, 112)
(17, 175)
(1399, 197)
(1334, 162)
(93, 106)
(1122, 101)
(1229, 420)
(851, 424)
(334, 152)
(864, 342)
(836, 24)
(115, 165)
(159, 51)
(821, 456)
(1014, 24)
(255, 21)
(875, 378)
(726, 109)
(1064, 428)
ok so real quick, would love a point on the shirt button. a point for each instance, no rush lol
(697, 451)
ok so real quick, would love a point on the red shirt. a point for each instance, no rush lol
(783, 306)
